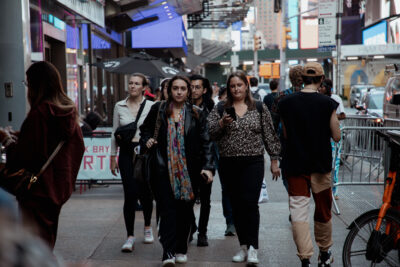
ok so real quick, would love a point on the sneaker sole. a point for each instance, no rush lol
(230, 234)
(127, 250)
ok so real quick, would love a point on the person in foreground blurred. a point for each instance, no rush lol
(242, 128)
(183, 156)
(53, 118)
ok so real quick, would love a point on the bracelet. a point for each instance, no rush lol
(8, 141)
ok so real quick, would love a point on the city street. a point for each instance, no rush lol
(92, 229)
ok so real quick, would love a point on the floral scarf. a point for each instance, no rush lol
(177, 167)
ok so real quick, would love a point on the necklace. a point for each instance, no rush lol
(310, 89)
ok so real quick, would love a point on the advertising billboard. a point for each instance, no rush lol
(309, 33)
(380, 9)
(309, 24)
(394, 31)
(376, 34)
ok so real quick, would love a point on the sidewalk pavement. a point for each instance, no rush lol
(92, 229)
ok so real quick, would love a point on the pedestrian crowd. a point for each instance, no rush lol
(170, 148)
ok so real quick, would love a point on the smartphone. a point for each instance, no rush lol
(231, 112)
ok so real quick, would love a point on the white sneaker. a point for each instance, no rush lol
(148, 236)
(252, 256)
(241, 255)
(128, 246)
(169, 262)
(181, 258)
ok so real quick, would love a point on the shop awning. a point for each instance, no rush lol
(210, 50)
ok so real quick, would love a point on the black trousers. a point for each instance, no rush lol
(204, 192)
(243, 178)
(133, 191)
(175, 218)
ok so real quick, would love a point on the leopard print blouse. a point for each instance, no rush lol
(246, 136)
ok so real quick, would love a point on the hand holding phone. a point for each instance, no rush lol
(231, 112)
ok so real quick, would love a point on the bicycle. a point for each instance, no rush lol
(374, 237)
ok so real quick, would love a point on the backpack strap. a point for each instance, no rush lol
(259, 106)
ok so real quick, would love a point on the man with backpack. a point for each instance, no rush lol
(257, 93)
(269, 102)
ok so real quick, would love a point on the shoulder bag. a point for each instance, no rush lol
(125, 134)
(141, 161)
(20, 182)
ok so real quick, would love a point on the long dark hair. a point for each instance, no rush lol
(169, 91)
(229, 98)
(163, 82)
(208, 102)
(44, 84)
(327, 83)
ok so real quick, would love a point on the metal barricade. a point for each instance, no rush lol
(363, 155)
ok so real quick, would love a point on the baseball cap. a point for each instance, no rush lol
(313, 69)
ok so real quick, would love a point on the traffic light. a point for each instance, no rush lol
(286, 36)
(277, 6)
(257, 43)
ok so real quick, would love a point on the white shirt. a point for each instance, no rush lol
(340, 108)
(261, 92)
(124, 116)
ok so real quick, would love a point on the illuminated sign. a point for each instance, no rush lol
(168, 34)
(376, 34)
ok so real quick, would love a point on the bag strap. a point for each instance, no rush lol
(140, 111)
(51, 158)
(158, 122)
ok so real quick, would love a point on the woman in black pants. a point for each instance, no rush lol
(125, 112)
(184, 155)
(241, 138)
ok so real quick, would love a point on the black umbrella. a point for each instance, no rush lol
(142, 63)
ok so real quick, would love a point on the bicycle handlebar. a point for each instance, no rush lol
(388, 138)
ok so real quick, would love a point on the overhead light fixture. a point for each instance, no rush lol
(352, 58)
(224, 63)
(250, 62)
(312, 59)
(379, 57)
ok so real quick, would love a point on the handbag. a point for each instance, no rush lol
(141, 161)
(20, 182)
(125, 134)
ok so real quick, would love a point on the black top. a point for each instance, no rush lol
(269, 99)
(306, 117)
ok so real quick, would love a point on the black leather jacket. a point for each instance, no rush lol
(198, 147)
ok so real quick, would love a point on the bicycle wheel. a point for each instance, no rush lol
(355, 251)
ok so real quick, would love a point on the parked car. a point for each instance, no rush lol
(373, 102)
(357, 92)
(391, 101)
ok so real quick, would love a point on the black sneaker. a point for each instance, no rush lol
(305, 263)
(325, 259)
(230, 230)
(192, 231)
(168, 260)
(202, 240)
